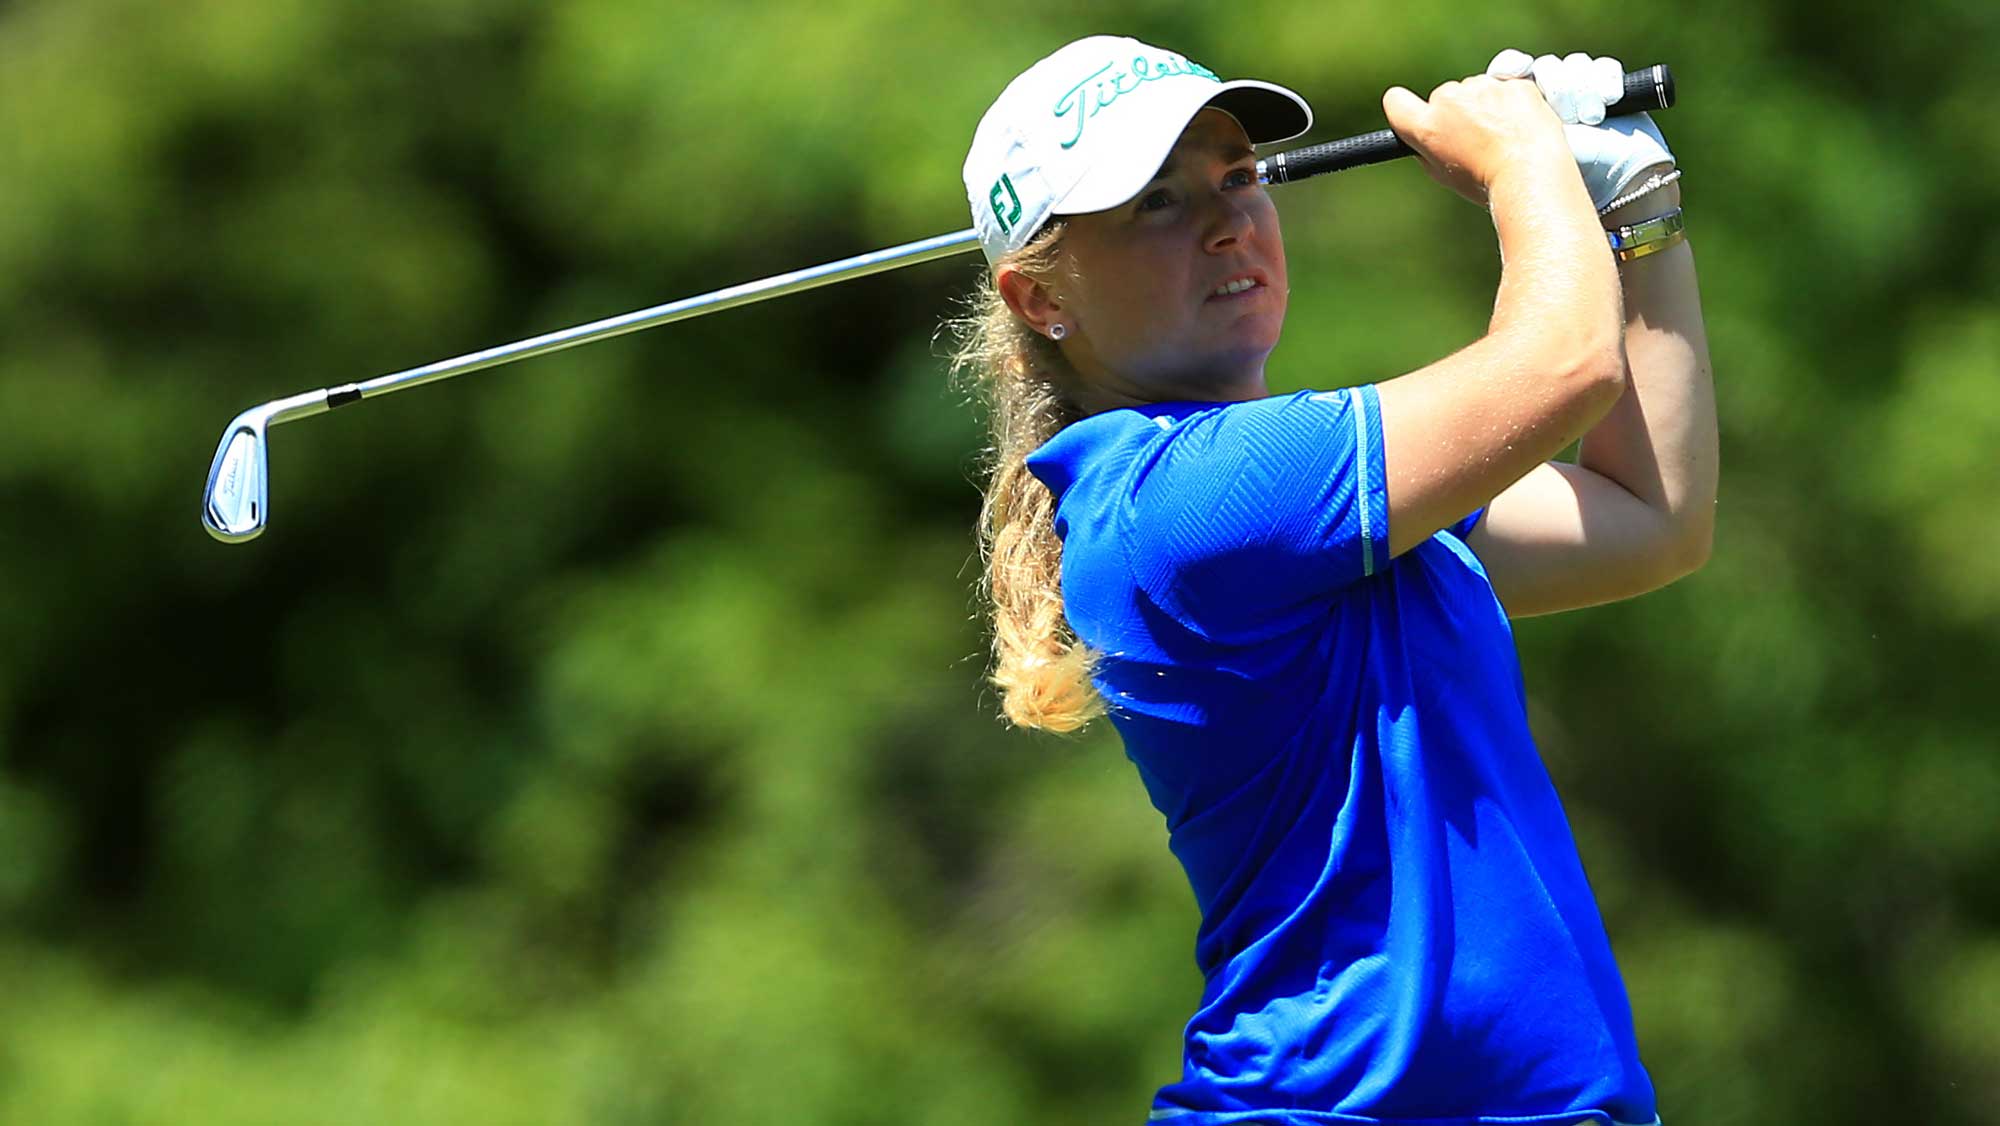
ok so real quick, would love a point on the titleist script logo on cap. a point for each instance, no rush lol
(1109, 87)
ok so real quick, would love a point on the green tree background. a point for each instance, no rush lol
(601, 739)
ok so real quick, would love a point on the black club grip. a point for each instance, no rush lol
(1649, 88)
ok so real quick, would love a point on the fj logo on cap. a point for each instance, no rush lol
(1120, 83)
(1001, 214)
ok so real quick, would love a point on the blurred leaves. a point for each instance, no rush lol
(602, 739)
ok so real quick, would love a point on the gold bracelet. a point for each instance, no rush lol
(1648, 237)
(1643, 249)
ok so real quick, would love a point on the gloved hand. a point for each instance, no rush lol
(1610, 154)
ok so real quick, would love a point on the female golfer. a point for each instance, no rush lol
(1295, 608)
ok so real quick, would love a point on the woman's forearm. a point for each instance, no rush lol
(1659, 440)
(1558, 293)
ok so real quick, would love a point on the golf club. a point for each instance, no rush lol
(236, 501)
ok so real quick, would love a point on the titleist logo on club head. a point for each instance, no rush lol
(1108, 83)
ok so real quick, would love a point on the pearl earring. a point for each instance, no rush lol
(1058, 330)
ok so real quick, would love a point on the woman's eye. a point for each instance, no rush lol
(1154, 200)
(1243, 175)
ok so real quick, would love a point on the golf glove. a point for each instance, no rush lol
(1611, 153)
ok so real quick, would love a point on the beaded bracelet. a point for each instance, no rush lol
(1653, 183)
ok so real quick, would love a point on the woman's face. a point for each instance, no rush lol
(1144, 314)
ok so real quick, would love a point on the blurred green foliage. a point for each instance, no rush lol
(601, 739)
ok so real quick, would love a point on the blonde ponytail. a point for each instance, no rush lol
(1041, 668)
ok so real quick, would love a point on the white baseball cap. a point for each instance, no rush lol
(1087, 127)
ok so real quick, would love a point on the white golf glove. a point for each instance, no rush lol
(1610, 153)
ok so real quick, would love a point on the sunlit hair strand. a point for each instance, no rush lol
(1040, 667)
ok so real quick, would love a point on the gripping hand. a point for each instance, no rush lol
(1610, 153)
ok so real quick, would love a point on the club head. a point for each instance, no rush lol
(237, 502)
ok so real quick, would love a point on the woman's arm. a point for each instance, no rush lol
(1459, 431)
(1659, 442)
(1637, 510)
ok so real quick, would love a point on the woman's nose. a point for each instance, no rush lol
(1230, 224)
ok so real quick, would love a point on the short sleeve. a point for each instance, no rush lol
(1245, 519)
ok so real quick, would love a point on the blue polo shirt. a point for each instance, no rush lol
(1395, 926)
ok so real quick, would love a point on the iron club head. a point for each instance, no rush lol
(236, 503)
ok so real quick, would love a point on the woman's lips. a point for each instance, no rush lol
(1253, 291)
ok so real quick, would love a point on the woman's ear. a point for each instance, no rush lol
(1029, 299)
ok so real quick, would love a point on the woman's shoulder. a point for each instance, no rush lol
(1106, 444)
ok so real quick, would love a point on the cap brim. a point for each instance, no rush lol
(1267, 112)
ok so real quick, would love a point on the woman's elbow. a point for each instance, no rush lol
(1602, 375)
(1674, 559)
(1693, 541)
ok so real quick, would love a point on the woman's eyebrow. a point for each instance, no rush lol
(1229, 151)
